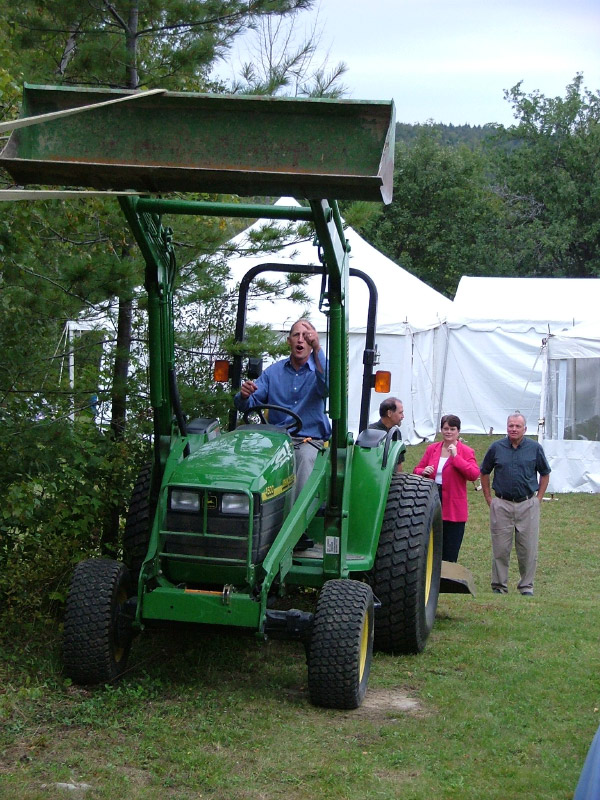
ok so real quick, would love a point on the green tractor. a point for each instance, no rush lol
(212, 527)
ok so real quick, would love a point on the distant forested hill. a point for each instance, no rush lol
(449, 134)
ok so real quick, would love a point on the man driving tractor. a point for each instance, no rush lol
(300, 383)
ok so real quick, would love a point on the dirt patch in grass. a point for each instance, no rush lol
(383, 703)
(11, 757)
(378, 703)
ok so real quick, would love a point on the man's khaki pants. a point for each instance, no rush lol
(305, 455)
(521, 520)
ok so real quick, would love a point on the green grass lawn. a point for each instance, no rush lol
(505, 699)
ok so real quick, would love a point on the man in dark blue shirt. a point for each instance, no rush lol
(299, 383)
(515, 508)
(391, 413)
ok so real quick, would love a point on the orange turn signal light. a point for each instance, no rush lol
(383, 381)
(221, 371)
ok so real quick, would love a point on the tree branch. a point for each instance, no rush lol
(53, 282)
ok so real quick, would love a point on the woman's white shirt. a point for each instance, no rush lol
(438, 474)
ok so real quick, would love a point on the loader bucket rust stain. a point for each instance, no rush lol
(206, 143)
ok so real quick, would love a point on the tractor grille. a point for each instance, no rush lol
(225, 538)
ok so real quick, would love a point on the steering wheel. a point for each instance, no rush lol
(293, 428)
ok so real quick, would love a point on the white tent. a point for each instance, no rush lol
(479, 357)
(408, 323)
(570, 409)
(494, 335)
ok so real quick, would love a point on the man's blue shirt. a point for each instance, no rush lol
(515, 468)
(303, 391)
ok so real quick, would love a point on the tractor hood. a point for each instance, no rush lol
(256, 459)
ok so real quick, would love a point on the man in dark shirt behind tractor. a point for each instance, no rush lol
(515, 509)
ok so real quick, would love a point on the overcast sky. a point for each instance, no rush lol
(450, 60)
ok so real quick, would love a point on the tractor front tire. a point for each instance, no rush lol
(138, 522)
(341, 646)
(97, 632)
(406, 575)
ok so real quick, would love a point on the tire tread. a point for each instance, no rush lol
(334, 655)
(88, 637)
(136, 536)
(396, 577)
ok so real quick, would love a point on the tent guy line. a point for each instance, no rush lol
(13, 195)
(25, 122)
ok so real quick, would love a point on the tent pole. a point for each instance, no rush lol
(71, 352)
(443, 378)
(543, 393)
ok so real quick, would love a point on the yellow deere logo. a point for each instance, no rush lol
(273, 491)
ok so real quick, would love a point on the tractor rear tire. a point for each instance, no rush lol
(138, 523)
(406, 575)
(97, 633)
(341, 646)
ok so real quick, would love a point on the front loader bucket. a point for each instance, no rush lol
(456, 579)
(170, 141)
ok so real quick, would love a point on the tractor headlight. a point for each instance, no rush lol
(235, 504)
(182, 500)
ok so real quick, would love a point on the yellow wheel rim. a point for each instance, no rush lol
(364, 646)
(429, 567)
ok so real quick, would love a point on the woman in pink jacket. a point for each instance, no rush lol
(450, 464)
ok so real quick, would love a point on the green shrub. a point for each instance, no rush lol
(55, 514)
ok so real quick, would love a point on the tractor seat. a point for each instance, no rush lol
(371, 437)
(203, 425)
